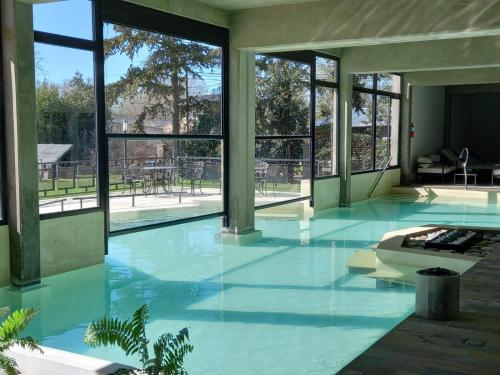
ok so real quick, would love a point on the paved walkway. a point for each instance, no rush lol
(124, 202)
(467, 346)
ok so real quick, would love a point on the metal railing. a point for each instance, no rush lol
(77, 179)
(380, 173)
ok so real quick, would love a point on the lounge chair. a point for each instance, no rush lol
(435, 165)
(474, 163)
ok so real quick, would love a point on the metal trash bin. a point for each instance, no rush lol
(438, 294)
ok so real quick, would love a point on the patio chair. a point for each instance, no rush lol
(165, 179)
(192, 171)
(261, 168)
(131, 176)
(273, 175)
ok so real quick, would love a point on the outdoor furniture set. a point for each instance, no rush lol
(150, 177)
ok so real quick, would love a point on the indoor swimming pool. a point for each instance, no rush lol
(286, 304)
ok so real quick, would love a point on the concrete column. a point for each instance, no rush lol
(21, 142)
(405, 141)
(241, 142)
(345, 131)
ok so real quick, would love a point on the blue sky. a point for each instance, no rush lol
(74, 18)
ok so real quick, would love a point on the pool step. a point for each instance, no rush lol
(363, 261)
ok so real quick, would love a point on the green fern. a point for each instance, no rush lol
(11, 326)
(130, 336)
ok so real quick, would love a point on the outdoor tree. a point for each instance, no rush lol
(282, 105)
(168, 67)
(325, 118)
(65, 115)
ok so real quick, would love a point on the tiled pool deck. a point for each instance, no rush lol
(467, 346)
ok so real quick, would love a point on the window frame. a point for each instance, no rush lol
(133, 15)
(137, 16)
(89, 45)
(375, 93)
(309, 57)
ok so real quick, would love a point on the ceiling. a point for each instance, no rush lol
(249, 4)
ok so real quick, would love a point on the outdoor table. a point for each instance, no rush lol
(157, 173)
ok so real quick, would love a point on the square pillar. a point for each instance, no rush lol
(345, 134)
(21, 142)
(241, 142)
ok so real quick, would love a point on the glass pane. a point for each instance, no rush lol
(282, 170)
(69, 17)
(65, 113)
(362, 132)
(326, 69)
(155, 181)
(389, 82)
(326, 131)
(282, 97)
(159, 84)
(387, 145)
(363, 80)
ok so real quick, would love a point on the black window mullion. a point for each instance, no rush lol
(126, 13)
(101, 141)
(64, 41)
(312, 131)
(374, 121)
(320, 82)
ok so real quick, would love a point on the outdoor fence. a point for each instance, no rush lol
(80, 177)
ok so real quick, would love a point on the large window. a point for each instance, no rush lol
(375, 121)
(164, 126)
(65, 106)
(283, 130)
(141, 91)
(296, 124)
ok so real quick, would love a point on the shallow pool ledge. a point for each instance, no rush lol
(393, 256)
(59, 362)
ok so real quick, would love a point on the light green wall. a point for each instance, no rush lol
(340, 23)
(4, 256)
(361, 184)
(428, 117)
(454, 77)
(71, 242)
(326, 193)
(190, 9)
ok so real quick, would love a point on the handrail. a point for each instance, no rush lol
(54, 201)
(379, 176)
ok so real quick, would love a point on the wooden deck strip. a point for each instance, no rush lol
(426, 347)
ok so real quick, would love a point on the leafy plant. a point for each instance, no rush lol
(11, 326)
(130, 336)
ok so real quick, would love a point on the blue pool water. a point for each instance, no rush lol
(285, 305)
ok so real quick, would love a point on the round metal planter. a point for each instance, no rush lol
(437, 294)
